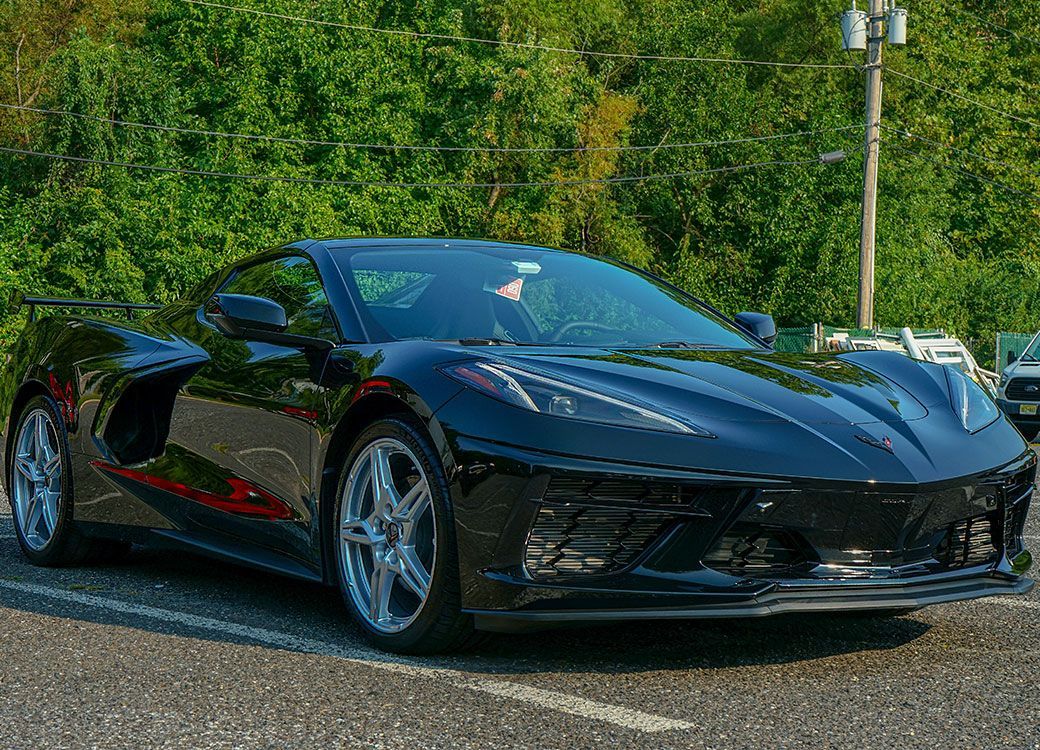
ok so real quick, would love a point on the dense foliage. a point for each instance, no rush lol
(953, 251)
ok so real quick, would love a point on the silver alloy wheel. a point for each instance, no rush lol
(36, 479)
(388, 535)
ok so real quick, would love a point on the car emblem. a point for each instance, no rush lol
(1032, 389)
(884, 443)
(393, 534)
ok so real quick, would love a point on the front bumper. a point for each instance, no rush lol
(882, 547)
(1028, 424)
(779, 600)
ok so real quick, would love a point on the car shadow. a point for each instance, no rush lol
(187, 583)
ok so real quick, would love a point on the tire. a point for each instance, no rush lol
(415, 539)
(47, 537)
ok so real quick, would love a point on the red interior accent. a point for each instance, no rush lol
(246, 499)
(65, 398)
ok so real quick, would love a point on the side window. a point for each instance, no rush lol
(293, 283)
(391, 288)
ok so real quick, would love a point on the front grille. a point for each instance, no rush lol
(633, 493)
(757, 551)
(794, 534)
(970, 542)
(575, 540)
(1023, 389)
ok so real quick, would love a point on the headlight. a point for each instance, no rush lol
(972, 405)
(1003, 379)
(542, 393)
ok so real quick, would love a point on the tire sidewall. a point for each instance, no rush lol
(440, 601)
(52, 552)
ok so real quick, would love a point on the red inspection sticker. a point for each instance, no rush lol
(511, 290)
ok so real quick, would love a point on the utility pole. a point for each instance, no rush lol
(867, 31)
(871, 147)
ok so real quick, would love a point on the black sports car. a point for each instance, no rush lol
(468, 436)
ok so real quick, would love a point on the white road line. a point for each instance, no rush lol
(548, 699)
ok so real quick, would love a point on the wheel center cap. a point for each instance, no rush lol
(393, 534)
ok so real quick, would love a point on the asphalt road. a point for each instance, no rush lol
(167, 650)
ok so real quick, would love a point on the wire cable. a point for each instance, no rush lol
(965, 152)
(998, 27)
(388, 184)
(960, 96)
(405, 147)
(966, 173)
(502, 43)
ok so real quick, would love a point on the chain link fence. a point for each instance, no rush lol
(1010, 343)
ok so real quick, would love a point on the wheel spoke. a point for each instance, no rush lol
(40, 438)
(359, 532)
(384, 494)
(381, 583)
(414, 503)
(413, 572)
(33, 514)
(25, 467)
(52, 466)
(49, 501)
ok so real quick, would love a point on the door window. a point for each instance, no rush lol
(292, 282)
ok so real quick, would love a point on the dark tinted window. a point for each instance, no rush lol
(292, 282)
(525, 295)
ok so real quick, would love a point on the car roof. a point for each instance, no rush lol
(357, 243)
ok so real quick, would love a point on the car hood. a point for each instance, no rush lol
(750, 386)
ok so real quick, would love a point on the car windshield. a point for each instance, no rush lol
(1032, 352)
(524, 296)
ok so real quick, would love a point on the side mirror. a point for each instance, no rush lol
(241, 316)
(758, 324)
(1012, 358)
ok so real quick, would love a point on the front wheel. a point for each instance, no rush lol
(395, 542)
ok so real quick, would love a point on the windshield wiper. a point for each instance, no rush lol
(481, 341)
(683, 345)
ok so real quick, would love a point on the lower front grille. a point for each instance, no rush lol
(574, 540)
(970, 542)
(758, 551)
(796, 534)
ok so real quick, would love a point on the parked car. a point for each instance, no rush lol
(468, 436)
(1018, 393)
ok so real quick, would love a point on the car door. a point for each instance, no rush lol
(243, 427)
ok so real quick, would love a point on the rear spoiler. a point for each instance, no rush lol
(19, 300)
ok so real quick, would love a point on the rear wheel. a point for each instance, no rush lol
(40, 479)
(39, 473)
(395, 542)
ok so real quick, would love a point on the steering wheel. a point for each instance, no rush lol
(570, 325)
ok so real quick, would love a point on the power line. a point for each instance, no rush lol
(950, 93)
(387, 184)
(997, 26)
(517, 45)
(966, 173)
(965, 152)
(393, 147)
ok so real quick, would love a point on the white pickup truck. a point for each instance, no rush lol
(1018, 393)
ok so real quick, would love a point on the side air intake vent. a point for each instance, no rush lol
(572, 540)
